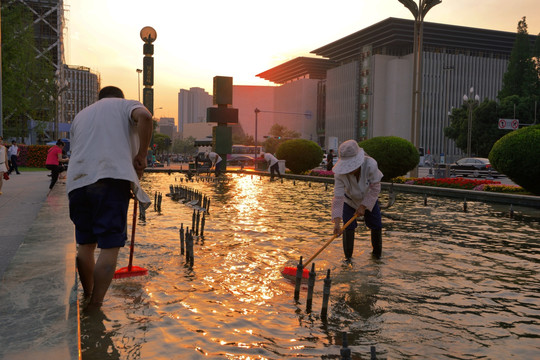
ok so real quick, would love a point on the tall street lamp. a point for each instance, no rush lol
(139, 71)
(470, 102)
(419, 12)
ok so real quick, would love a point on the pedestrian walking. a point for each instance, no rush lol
(3, 162)
(13, 156)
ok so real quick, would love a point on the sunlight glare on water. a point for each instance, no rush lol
(451, 284)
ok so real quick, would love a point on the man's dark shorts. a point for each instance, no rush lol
(99, 212)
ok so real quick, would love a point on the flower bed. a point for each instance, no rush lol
(453, 182)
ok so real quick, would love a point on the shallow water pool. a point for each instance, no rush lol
(451, 284)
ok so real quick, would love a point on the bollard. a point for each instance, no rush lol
(142, 212)
(202, 224)
(299, 271)
(465, 205)
(309, 184)
(155, 201)
(294, 182)
(325, 186)
(511, 211)
(326, 295)
(311, 286)
(193, 219)
(373, 353)
(282, 180)
(160, 197)
(208, 207)
(187, 243)
(345, 352)
(197, 223)
(181, 239)
(191, 253)
(425, 199)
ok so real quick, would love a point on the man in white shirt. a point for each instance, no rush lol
(357, 184)
(110, 140)
(13, 156)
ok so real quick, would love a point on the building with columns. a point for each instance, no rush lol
(366, 89)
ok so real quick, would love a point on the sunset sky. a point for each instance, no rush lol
(199, 39)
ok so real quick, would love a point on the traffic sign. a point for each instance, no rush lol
(508, 124)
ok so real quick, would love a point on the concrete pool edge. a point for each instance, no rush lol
(38, 292)
(470, 195)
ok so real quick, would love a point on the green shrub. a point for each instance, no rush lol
(300, 155)
(516, 155)
(395, 156)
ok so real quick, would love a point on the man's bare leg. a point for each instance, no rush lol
(85, 265)
(103, 275)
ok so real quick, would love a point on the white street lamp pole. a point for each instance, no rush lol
(470, 101)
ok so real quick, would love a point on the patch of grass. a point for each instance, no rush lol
(29, 169)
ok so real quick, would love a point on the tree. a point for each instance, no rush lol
(485, 131)
(162, 141)
(300, 155)
(185, 146)
(29, 89)
(395, 156)
(521, 77)
(278, 134)
(516, 155)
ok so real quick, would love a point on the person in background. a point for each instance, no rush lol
(330, 160)
(3, 162)
(216, 162)
(13, 156)
(357, 184)
(54, 161)
(110, 139)
(273, 166)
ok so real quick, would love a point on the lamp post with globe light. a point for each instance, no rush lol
(148, 35)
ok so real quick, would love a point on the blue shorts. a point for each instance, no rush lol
(372, 218)
(99, 212)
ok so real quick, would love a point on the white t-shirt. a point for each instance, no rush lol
(271, 159)
(354, 193)
(104, 142)
(214, 158)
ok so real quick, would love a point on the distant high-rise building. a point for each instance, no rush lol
(192, 105)
(82, 90)
(167, 127)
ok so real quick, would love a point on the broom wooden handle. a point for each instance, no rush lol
(134, 223)
(331, 239)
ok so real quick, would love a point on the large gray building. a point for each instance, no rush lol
(192, 105)
(367, 88)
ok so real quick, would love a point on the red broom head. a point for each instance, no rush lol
(125, 272)
(290, 271)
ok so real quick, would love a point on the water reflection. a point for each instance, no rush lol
(451, 284)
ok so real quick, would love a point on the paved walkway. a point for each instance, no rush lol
(38, 287)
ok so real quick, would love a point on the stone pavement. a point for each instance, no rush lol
(38, 283)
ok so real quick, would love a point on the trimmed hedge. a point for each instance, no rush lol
(32, 155)
(395, 156)
(300, 155)
(517, 156)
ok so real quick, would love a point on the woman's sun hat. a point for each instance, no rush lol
(351, 157)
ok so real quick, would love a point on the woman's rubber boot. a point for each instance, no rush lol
(348, 243)
(376, 242)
